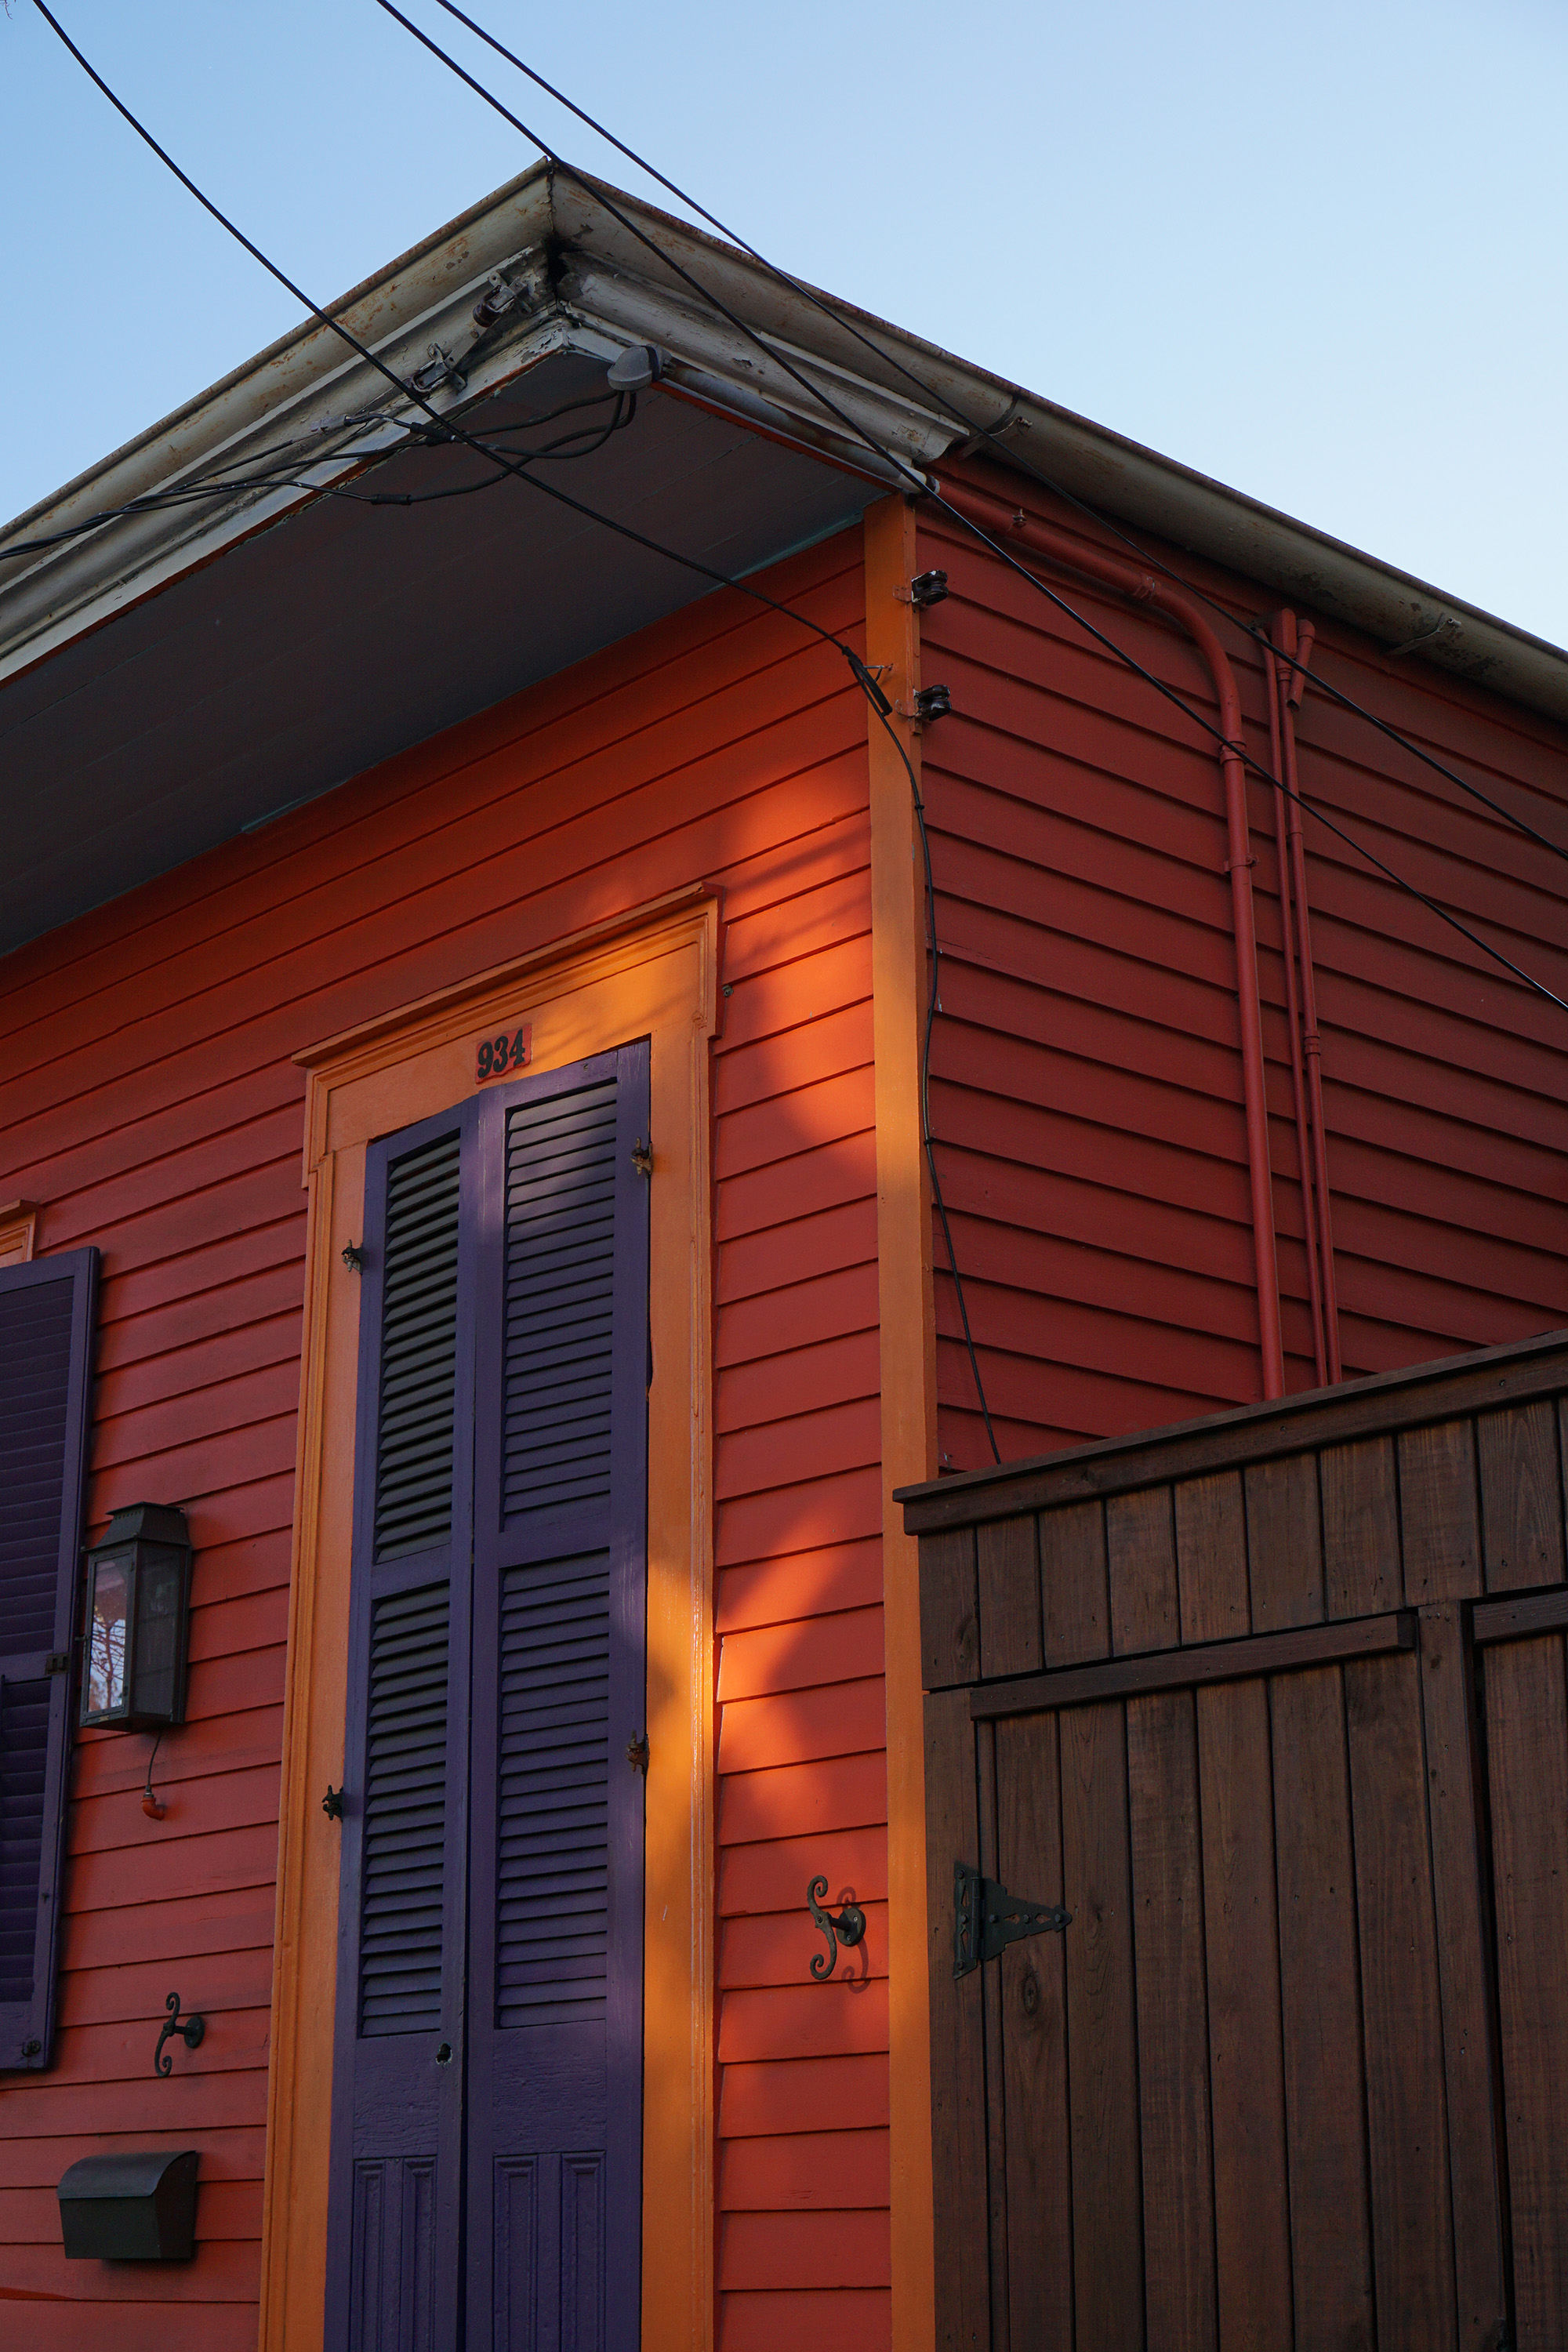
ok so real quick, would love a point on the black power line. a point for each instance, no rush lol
(455, 434)
(201, 486)
(917, 483)
(1015, 458)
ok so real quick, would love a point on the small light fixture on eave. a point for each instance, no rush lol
(138, 1621)
(638, 365)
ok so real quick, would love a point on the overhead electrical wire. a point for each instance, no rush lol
(868, 683)
(456, 435)
(916, 480)
(1013, 456)
(201, 486)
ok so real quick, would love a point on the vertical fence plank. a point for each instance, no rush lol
(957, 2039)
(950, 1609)
(997, 2187)
(1246, 2074)
(1172, 2023)
(1284, 1543)
(1035, 2043)
(1325, 2098)
(1362, 1575)
(1527, 1744)
(1007, 1562)
(1521, 1496)
(1107, 2195)
(1413, 2253)
(1468, 2041)
(1141, 1553)
(1072, 1583)
(1211, 1556)
(1439, 1522)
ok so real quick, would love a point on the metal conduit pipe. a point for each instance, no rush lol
(1305, 1160)
(1291, 686)
(1009, 524)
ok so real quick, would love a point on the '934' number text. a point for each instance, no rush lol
(499, 1055)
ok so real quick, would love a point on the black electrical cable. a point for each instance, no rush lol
(915, 479)
(203, 485)
(456, 435)
(1018, 458)
(921, 486)
(449, 432)
(1268, 776)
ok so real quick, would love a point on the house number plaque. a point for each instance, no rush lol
(508, 1050)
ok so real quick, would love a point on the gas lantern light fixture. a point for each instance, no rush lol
(138, 1621)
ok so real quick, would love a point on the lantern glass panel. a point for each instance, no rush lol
(108, 1628)
(155, 1674)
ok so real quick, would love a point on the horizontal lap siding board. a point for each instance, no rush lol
(1085, 1072)
(719, 747)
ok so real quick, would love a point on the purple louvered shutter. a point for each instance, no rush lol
(560, 1606)
(395, 2265)
(45, 1341)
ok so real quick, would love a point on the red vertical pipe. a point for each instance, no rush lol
(1292, 686)
(996, 517)
(1304, 1156)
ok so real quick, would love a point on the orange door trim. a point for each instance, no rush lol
(650, 975)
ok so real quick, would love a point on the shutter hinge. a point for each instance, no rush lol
(637, 1752)
(642, 1157)
(986, 1918)
(58, 1662)
(353, 1257)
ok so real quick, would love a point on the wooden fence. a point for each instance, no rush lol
(1274, 1705)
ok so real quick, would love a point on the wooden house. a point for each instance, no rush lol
(470, 1095)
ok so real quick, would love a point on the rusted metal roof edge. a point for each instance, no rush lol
(1488, 1377)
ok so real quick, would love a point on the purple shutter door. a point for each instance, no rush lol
(395, 2267)
(45, 1341)
(560, 1607)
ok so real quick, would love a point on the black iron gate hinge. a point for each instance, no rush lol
(985, 1918)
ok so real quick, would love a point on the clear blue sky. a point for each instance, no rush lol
(1317, 253)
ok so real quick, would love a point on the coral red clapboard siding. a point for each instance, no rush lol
(149, 1101)
(1086, 1077)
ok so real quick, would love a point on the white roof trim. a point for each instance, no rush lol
(584, 282)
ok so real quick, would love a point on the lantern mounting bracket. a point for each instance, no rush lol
(191, 2031)
(846, 1927)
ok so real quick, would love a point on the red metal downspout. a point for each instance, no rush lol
(1003, 522)
(1306, 1167)
(1290, 686)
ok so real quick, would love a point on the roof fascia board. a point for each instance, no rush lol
(289, 391)
(1132, 484)
(1157, 494)
(305, 385)
(626, 292)
(706, 348)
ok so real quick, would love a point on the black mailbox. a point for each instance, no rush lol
(138, 2207)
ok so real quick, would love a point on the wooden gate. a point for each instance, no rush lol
(1274, 1705)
